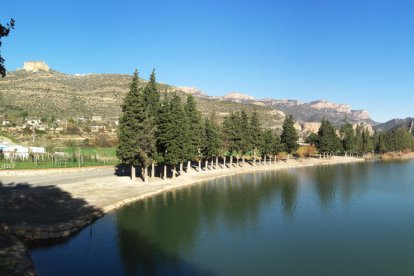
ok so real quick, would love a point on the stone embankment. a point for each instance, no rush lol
(14, 257)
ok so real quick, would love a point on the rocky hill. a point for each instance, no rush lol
(41, 91)
(309, 112)
(396, 123)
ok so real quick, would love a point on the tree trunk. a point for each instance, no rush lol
(254, 157)
(199, 165)
(275, 159)
(206, 166)
(216, 162)
(181, 168)
(174, 171)
(188, 166)
(153, 170)
(165, 172)
(145, 174)
(237, 161)
(264, 160)
(231, 161)
(132, 172)
(212, 163)
(224, 162)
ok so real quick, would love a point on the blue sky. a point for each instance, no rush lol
(356, 52)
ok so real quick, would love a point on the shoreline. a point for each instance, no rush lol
(106, 194)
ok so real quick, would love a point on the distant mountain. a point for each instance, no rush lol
(396, 123)
(310, 112)
(40, 91)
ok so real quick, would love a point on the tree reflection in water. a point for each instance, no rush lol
(157, 234)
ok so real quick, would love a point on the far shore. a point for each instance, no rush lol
(104, 194)
(397, 156)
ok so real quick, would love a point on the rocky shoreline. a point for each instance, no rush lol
(14, 257)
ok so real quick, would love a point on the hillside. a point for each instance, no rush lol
(51, 93)
(396, 123)
(42, 91)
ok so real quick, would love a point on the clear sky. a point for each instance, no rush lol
(359, 52)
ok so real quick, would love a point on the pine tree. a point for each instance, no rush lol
(289, 136)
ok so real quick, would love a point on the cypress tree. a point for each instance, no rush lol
(195, 128)
(255, 134)
(348, 138)
(211, 142)
(244, 132)
(270, 144)
(151, 96)
(328, 141)
(173, 132)
(232, 134)
(367, 143)
(289, 136)
(136, 130)
(151, 102)
(359, 145)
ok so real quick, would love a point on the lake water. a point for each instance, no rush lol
(354, 219)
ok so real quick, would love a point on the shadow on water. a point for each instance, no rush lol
(22, 204)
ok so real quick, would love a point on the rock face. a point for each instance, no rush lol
(311, 127)
(365, 126)
(35, 66)
(238, 97)
(191, 90)
(328, 105)
(361, 114)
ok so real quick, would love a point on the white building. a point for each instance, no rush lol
(5, 123)
(97, 118)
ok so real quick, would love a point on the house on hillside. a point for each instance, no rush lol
(5, 123)
(96, 118)
(33, 122)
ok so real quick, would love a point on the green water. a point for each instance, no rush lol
(353, 219)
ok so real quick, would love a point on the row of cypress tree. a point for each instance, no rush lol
(359, 141)
(169, 132)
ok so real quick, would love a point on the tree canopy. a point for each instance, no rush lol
(4, 31)
(289, 136)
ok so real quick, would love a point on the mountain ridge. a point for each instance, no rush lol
(43, 91)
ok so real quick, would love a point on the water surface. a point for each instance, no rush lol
(354, 219)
